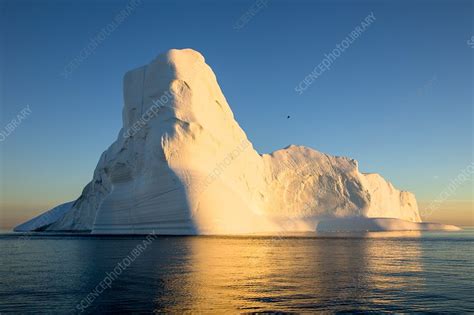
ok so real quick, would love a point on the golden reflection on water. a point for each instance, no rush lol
(249, 274)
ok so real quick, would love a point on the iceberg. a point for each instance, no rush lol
(42, 221)
(181, 165)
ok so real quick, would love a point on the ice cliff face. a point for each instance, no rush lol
(182, 165)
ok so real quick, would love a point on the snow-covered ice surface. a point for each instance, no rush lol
(190, 169)
(45, 219)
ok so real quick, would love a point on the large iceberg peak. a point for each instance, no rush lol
(181, 57)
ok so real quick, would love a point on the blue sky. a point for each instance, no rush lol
(399, 99)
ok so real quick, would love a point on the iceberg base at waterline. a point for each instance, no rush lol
(360, 224)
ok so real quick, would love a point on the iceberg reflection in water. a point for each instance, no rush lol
(393, 271)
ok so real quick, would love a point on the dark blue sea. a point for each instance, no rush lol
(372, 272)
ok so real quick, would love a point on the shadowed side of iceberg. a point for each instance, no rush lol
(44, 220)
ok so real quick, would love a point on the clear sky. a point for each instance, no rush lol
(398, 99)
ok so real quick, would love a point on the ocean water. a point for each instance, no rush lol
(372, 272)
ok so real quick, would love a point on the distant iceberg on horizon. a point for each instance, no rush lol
(181, 165)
